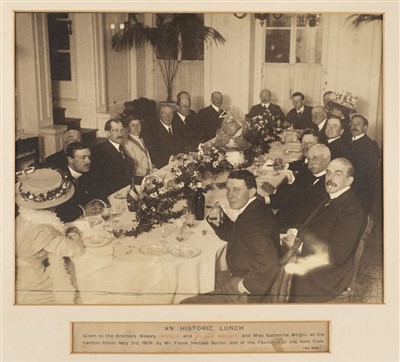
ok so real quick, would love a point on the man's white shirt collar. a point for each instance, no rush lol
(116, 145)
(355, 138)
(166, 127)
(266, 105)
(336, 194)
(74, 173)
(333, 139)
(215, 107)
(322, 173)
(181, 116)
(247, 204)
(321, 125)
(300, 110)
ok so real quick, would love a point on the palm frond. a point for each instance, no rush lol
(358, 19)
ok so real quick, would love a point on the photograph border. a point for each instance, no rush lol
(352, 325)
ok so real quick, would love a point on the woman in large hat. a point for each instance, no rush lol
(42, 239)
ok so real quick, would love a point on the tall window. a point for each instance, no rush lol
(60, 29)
(294, 38)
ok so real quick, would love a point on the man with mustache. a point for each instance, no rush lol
(330, 234)
(297, 200)
(82, 203)
(365, 156)
(112, 168)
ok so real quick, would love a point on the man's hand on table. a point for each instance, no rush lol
(215, 216)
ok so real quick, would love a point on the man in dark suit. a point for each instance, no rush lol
(83, 201)
(319, 118)
(334, 131)
(209, 117)
(165, 139)
(330, 237)
(189, 126)
(297, 200)
(308, 139)
(299, 116)
(266, 106)
(112, 167)
(365, 156)
(58, 160)
(253, 242)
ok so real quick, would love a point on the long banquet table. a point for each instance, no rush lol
(123, 273)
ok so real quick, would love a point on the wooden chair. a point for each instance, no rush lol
(280, 290)
(347, 295)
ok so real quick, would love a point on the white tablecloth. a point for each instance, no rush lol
(136, 278)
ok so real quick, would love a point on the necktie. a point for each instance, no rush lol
(121, 152)
(220, 110)
(170, 130)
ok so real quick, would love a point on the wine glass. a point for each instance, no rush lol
(115, 211)
(117, 229)
(179, 230)
(190, 219)
(163, 230)
(105, 214)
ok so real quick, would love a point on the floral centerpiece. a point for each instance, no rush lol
(157, 204)
(261, 131)
(162, 194)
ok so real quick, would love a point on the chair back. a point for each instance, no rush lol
(347, 295)
(280, 290)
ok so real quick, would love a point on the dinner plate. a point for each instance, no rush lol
(154, 250)
(97, 241)
(185, 252)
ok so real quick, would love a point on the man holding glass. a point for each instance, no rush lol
(253, 242)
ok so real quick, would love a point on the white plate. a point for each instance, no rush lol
(154, 250)
(97, 241)
(185, 252)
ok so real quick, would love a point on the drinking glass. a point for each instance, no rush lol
(116, 211)
(190, 219)
(106, 213)
(179, 230)
(117, 229)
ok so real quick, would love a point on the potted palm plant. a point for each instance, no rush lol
(166, 38)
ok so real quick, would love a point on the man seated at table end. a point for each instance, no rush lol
(253, 242)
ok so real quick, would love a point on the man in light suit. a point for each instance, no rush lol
(209, 117)
(299, 116)
(136, 149)
(265, 106)
(165, 138)
(253, 242)
(365, 156)
(112, 168)
(330, 238)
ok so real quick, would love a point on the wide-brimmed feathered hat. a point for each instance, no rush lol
(42, 188)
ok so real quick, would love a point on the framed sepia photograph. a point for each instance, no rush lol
(183, 167)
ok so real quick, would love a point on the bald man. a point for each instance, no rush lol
(58, 160)
(265, 106)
